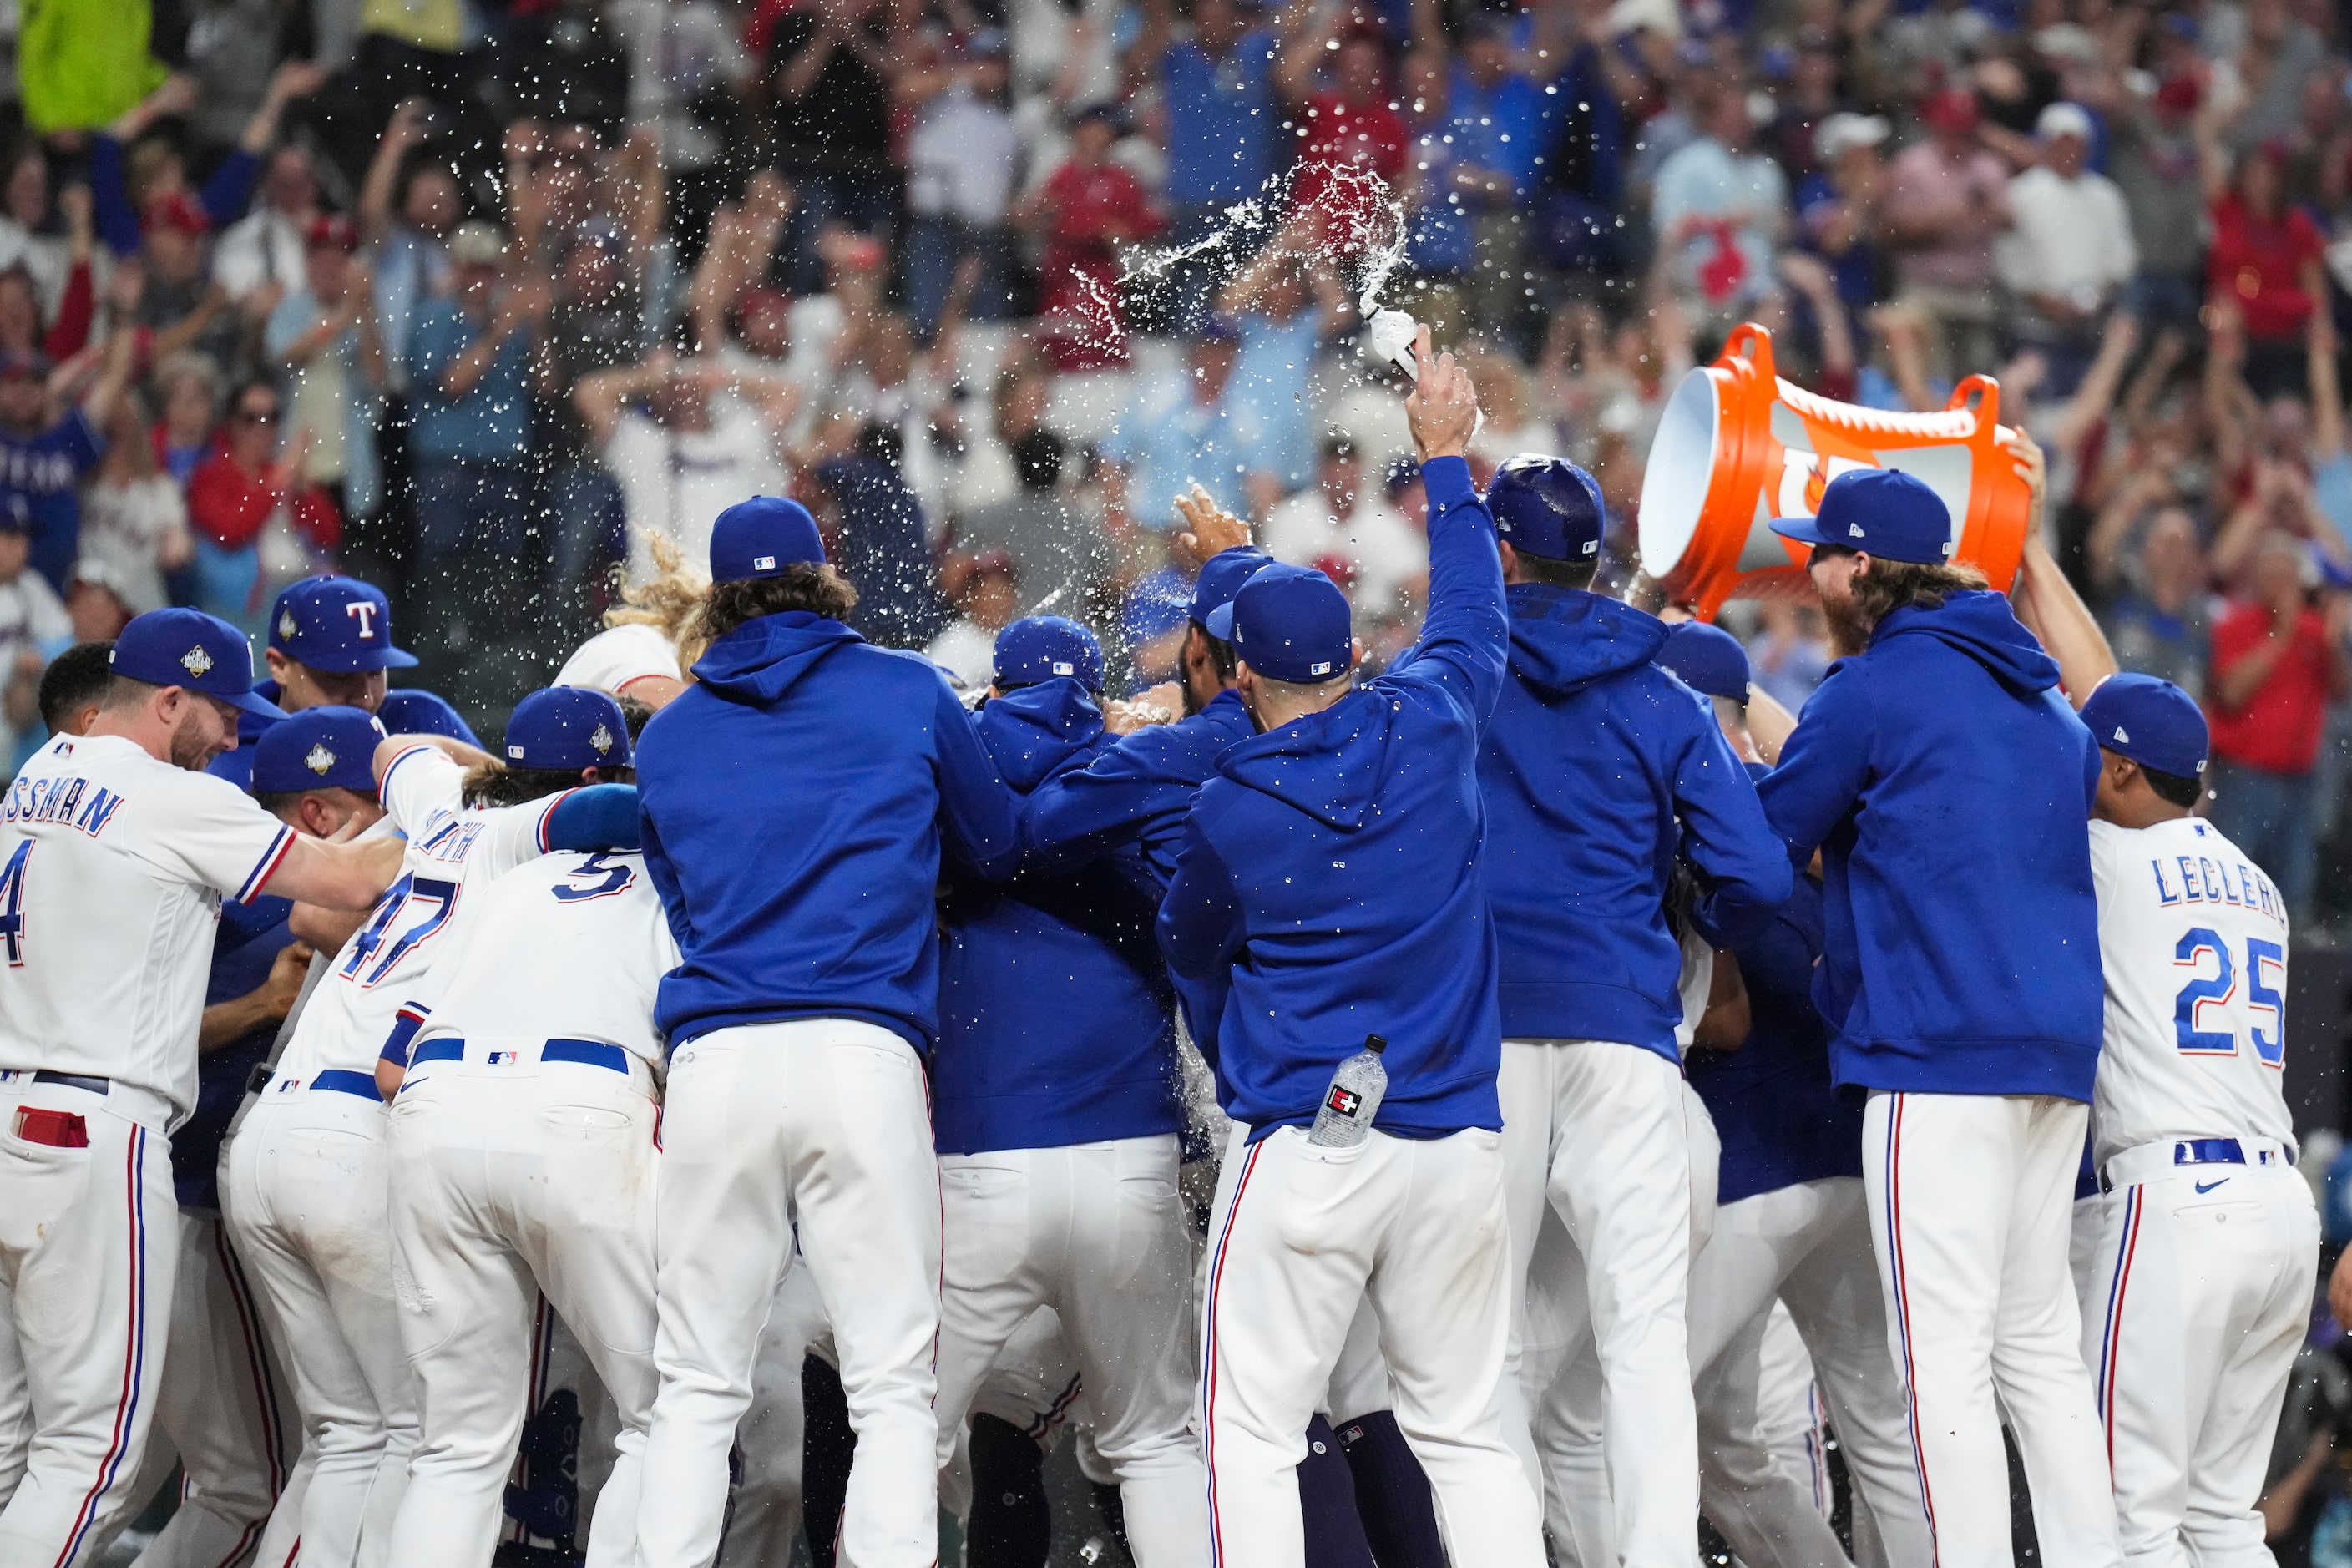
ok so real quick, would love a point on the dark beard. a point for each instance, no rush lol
(1849, 633)
(190, 752)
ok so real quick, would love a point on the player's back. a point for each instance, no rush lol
(110, 861)
(570, 946)
(794, 801)
(422, 918)
(2193, 941)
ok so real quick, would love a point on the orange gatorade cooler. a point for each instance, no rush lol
(1738, 447)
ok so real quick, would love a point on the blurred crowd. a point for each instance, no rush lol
(485, 299)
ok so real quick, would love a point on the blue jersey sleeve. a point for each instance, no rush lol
(1466, 640)
(979, 812)
(601, 817)
(1743, 869)
(1201, 932)
(1823, 766)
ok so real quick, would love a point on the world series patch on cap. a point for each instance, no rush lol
(318, 748)
(340, 625)
(567, 728)
(192, 649)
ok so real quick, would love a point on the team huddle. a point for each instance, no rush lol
(1599, 1056)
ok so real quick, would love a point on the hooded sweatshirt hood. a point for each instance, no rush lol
(1327, 764)
(1564, 639)
(1979, 624)
(761, 659)
(1033, 730)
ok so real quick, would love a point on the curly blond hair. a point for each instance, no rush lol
(669, 601)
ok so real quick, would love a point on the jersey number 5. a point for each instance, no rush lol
(433, 899)
(2266, 969)
(610, 880)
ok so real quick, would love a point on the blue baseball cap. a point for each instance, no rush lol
(1547, 507)
(318, 748)
(1883, 512)
(2152, 722)
(760, 538)
(567, 727)
(1291, 623)
(1222, 577)
(411, 711)
(1708, 659)
(336, 624)
(192, 649)
(1039, 647)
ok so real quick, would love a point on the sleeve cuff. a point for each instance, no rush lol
(1446, 481)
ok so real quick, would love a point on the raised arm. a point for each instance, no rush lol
(1465, 638)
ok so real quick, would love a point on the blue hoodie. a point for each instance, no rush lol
(1780, 1120)
(1056, 1024)
(1330, 886)
(1949, 787)
(1130, 799)
(1594, 755)
(795, 802)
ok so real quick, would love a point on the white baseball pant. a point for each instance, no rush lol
(2198, 1307)
(1598, 1131)
(1969, 1211)
(763, 1516)
(87, 1255)
(305, 1191)
(1807, 1245)
(1097, 1232)
(1034, 1387)
(224, 1411)
(828, 1120)
(510, 1180)
(1303, 1234)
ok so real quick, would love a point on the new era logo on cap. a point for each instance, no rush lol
(2122, 735)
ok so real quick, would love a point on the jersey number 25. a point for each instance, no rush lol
(2266, 969)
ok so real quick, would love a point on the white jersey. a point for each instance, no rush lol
(421, 918)
(2193, 941)
(569, 947)
(113, 867)
(619, 655)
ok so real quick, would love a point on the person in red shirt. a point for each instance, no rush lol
(1086, 209)
(2266, 259)
(233, 495)
(1352, 129)
(2277, 663)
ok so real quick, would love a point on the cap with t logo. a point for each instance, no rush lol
(336, 624)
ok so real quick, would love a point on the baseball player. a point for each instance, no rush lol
(73, 688)
(1058, 1124)
(2201, 1287)
(305, 1170)
(115, 855)
(631, 660)
(798, 799)
(1791, 1223)
(330, 645)
(1327, 889)
(225, 1411)
(1945, 782)
(522, 1150)
(1599, 770)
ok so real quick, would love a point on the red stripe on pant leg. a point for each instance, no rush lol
(2115, 1344)
(256, 1350)
(1209, 1360)
(1903, 1316)
(126, 1402)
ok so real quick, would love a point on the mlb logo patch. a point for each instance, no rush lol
(289, 1085)
(498, 1058)
(1062, 666)
(764, 563)
(1322, 668)
(1346, 1102)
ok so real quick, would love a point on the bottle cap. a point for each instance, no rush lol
(1376, 1044)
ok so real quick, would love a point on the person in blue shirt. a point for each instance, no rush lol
(1600, 773)
(469, 365)
(1329, 889)
(799, 801)
(48, 447)
(225, 1408)
(1948, 784)
(1224, 119)
(1058, 1120)
(1791, 1222)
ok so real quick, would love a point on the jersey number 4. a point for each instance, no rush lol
(432, 901)
(2266, 969)
(12, 903)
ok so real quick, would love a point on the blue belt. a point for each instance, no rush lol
(587, 1053)
(345, 1082)
(2212, 1151)
(74, 1080)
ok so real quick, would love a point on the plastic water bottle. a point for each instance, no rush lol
(1354, 1098)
